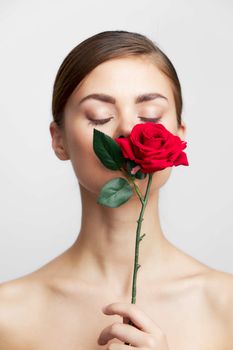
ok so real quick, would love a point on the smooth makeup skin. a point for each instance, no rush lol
(59, 305)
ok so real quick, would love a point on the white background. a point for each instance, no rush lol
(39, 194)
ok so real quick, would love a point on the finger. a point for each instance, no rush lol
(125, 333)
(117, 346)
(135, 314)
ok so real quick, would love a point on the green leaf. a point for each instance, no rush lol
(107, 150)
(115, 192)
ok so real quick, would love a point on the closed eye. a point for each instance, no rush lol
(98, 122)
(155, 120)
(104, 121)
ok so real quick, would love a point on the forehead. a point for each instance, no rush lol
(126, 76)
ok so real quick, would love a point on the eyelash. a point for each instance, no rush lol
(104, 121)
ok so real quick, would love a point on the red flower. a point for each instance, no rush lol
(153, 147)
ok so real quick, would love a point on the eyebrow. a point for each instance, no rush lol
(112, 100)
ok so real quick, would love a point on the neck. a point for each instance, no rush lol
(104, 250)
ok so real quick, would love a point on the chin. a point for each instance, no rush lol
(94, 182)
(99, 178)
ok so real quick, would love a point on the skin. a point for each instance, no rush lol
(181, 302)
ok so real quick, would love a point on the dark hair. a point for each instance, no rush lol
(99, 48)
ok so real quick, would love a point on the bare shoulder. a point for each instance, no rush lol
(215, 289)
(21, 302)
(219, 289)
(215, 285)
(24, 304)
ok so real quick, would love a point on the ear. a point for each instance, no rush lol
(58, 142)
(182, 131)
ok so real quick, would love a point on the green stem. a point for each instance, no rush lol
(130, 178)
(138, 239)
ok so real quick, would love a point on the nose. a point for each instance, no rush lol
(125, 127)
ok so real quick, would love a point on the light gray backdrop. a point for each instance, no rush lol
(39, 194)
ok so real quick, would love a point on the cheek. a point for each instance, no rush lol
(161, 177)
(83, 161)
(89, 170)
(158, 180)
(169, 120)
(171, 126)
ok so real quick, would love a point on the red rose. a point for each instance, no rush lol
(153, 147)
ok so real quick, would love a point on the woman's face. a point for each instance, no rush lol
(123, 80)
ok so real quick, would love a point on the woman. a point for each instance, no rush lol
(111, 82)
